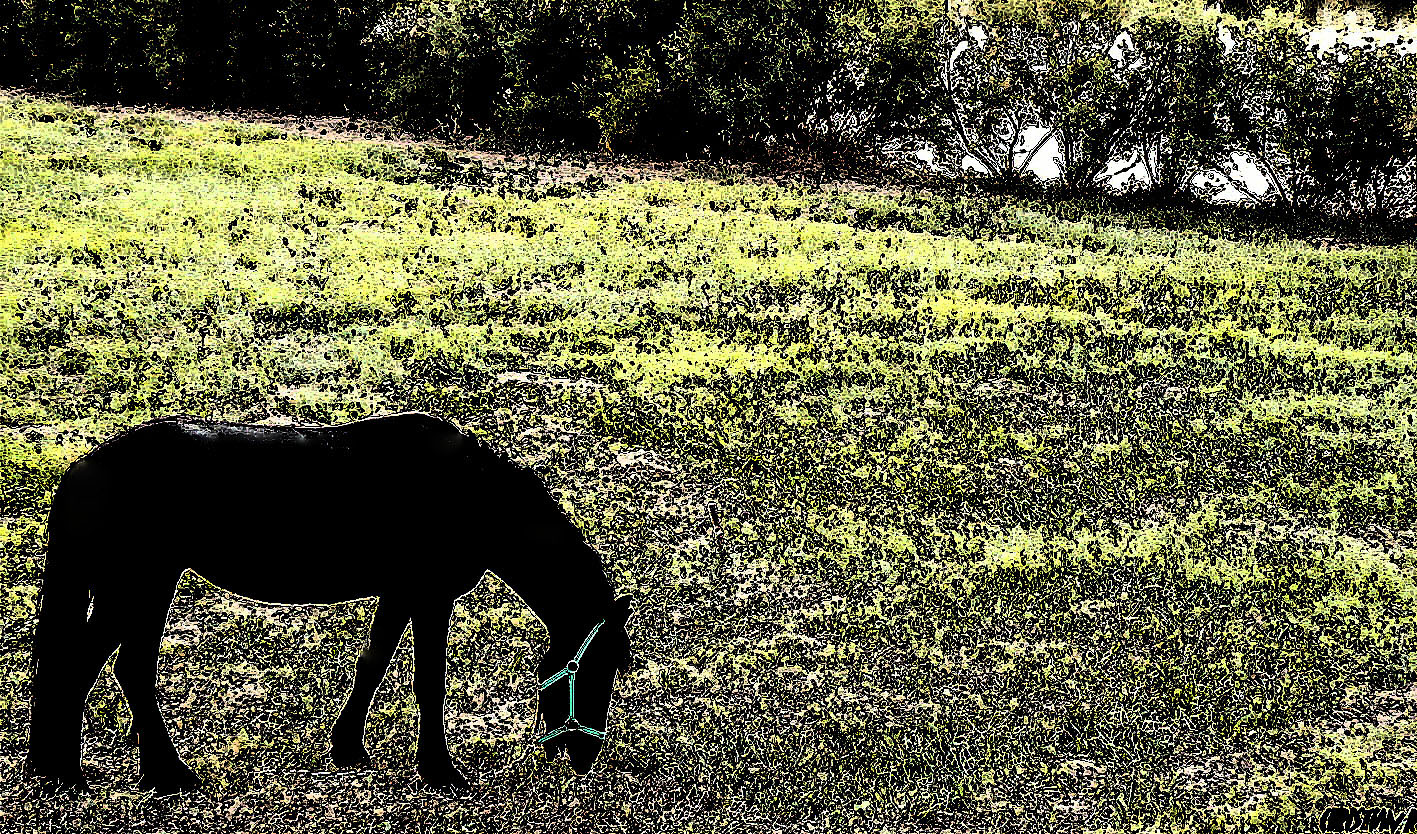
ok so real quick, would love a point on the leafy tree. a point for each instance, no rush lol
(1272, 79)
(1335, 131)
(439, 65)
(14, 58)
(1043, 63)
(990, 96)
(588, 72)
(755, 72)
(1364, 155)
(1085, 97)
(885, 82)
(1176, 78)
(99, 48)
(1049, 16)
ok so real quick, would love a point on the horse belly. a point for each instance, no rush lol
(304, 584)
(298, 545)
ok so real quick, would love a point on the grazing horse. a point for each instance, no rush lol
(405, 508)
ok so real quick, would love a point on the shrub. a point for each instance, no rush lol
(1176, 86)
(295, 53)
(1363, 139)
(1042, 64)
(583, 72)
(841, 80)
(1085, 97)
(439, 64)
(989, 97)
(99, 48)
(14, 21)
(1330, 132)
(754, 71)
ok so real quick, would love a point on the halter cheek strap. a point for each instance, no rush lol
(569, 672)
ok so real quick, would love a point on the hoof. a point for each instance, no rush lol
(57, 780)
(350, 757)
(445, 777)
(168, 781)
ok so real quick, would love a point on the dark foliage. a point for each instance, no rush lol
(830, 85)
(288, 53)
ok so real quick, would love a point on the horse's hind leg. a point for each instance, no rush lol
(140, 635)
(95, 641)
(347, 739)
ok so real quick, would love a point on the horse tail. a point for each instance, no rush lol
(55, 720)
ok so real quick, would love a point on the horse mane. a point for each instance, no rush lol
(523, 481)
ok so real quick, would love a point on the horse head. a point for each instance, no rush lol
(576, 685)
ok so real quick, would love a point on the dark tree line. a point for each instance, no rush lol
(1334, 132)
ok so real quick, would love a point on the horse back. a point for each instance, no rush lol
(308, 514)
(360, 481)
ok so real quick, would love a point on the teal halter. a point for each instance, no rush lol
(569, 672)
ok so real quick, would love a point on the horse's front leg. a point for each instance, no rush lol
(430, 685)
(347, 739)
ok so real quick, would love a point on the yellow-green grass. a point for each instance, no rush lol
(939, 512)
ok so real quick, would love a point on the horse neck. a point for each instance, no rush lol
(565, 587)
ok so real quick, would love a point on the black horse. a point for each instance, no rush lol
(406, 508)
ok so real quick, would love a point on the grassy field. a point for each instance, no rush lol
(941, 514)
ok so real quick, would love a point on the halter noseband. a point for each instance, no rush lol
(569, 672)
